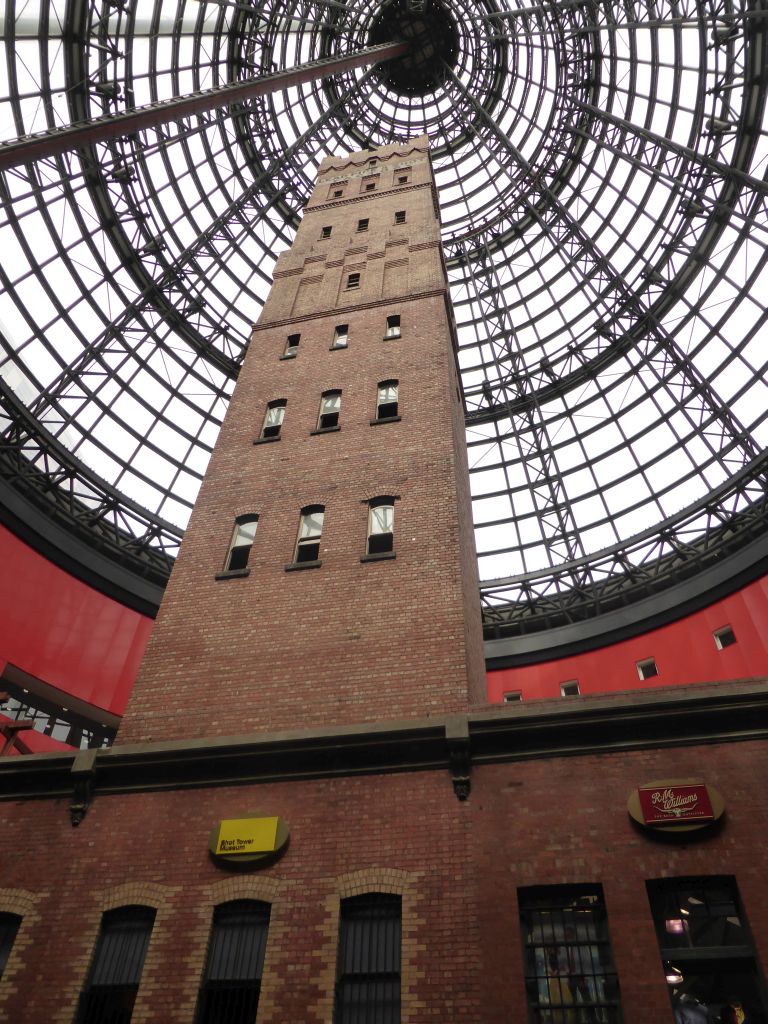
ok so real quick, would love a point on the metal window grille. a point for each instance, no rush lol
(232, 981)
(368, 974)
(569, 972)
(113, 982)
(9, 926)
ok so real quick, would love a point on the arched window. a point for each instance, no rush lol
(9, 927)
(273, 419)
(386, 400)
(381, 524)
(235, 963)
(368, 969)
(330, 408)
(242, 542)
(118, 961)
(310, 531)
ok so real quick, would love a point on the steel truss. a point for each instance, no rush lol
(601, 165)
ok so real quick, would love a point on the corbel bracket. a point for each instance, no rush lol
(83, 775)
(459, 759)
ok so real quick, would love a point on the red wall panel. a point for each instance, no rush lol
(685, 652)
(64, 632)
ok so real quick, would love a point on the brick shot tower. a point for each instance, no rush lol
(328, 574)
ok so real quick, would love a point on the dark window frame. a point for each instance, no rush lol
(369, 963)
(234, 967)
(9, 930)
(113, 981)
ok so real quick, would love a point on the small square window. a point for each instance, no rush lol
(393, 326)
(402, 179)
(362, 224)
(353, 281)
(337, 193)
(326, 232)
(372, 162)
(369, 184)
(570, 689)
(513, 696)
(647, 669)
(400, 217)
(340, 336)
(724, 637)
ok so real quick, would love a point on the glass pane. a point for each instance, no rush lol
(330, 403)
(275, 416)
(387, 393)
(244, 533)
(382, 519)
(311, 525)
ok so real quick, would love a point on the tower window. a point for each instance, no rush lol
(9, 927)
(393, 326)
(235, 963)
(647, 669)
(273, 420)
(362, 224)
(292, 346)
(386, 400)
(369, 184)
(326, 232)
(340, 336)
(368, 970)
(337, 190)
(372, 162)
(513, 696)
(330, 407)
(568, 959)
(402, 179)
(724, 637)
(400, 217)
(353, 281)
(242, 542)
(310, 530)
(113, 981)
(381, 523)
(570, 689)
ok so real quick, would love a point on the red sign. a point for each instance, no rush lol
(670, 804)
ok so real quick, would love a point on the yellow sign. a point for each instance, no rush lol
(248, 842)
(247, 835)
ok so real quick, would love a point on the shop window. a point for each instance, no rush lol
(400, 217)
(292, 346)
(368, 969)
(362, 224)
(381, 525)
(570, 689)
(340, 336)
(393, 326)
(9, 927)
(569, 971)
(273, 420)
(118, 961)
(235, 963)
(330, 408)
(326, 232)
(386, 400)
(724, 637)
(647, 669)
(706, 950)
(353, 281)
(513, 696)
(242, 542)
(310, 531)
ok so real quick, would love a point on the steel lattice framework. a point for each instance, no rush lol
(602, 175)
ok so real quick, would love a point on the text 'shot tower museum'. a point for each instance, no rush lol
(311, 814)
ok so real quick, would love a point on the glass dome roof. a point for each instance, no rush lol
(601, 169)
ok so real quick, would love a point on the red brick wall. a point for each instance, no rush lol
(348, 641)
(458, 865)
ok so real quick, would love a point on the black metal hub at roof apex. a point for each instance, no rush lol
(430, 29)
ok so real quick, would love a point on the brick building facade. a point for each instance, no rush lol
(322, 663)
